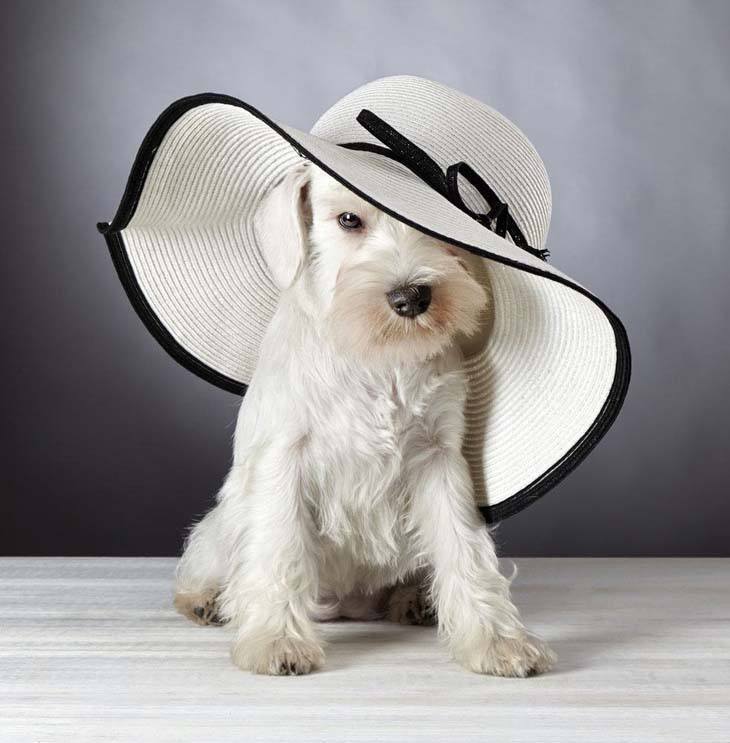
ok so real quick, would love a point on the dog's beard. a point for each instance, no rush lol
(362, 323)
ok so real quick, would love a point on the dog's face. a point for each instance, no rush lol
(385, 290)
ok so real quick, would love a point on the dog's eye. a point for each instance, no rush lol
(349, 221)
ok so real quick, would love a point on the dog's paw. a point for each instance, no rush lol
(285, 656)
(507, 656)
(408, 604)
(201, 608)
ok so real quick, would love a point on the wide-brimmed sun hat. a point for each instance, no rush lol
(546, 379)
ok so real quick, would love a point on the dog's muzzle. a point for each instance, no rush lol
(410, 300)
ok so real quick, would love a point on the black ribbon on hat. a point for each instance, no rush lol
(401, 149)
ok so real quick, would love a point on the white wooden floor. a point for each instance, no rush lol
(91, 650)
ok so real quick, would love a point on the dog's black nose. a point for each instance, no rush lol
(411, 300)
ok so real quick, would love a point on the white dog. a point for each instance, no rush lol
(349, 495)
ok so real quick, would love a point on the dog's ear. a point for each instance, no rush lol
(282, 224)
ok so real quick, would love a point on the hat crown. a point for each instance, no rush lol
(453, 127)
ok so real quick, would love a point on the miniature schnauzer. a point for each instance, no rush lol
(349, 495)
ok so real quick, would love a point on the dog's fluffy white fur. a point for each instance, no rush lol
(348, 494)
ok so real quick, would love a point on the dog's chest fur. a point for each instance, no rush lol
(368, 427)
(359, 431)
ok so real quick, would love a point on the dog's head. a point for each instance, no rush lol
(384, 289)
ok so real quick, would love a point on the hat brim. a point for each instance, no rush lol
(548, 383)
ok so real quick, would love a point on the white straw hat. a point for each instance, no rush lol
(545, 382)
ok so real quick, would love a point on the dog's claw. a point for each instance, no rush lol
(283, 657)
(520, 657)
(199, 608)
(409, 604)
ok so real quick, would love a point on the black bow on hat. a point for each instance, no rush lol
(400, 148)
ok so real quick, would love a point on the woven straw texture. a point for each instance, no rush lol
(548, 362)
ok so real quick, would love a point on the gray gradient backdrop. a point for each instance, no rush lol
(111, 448)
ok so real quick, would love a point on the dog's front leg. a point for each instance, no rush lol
(475, 612)
(272, 590)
